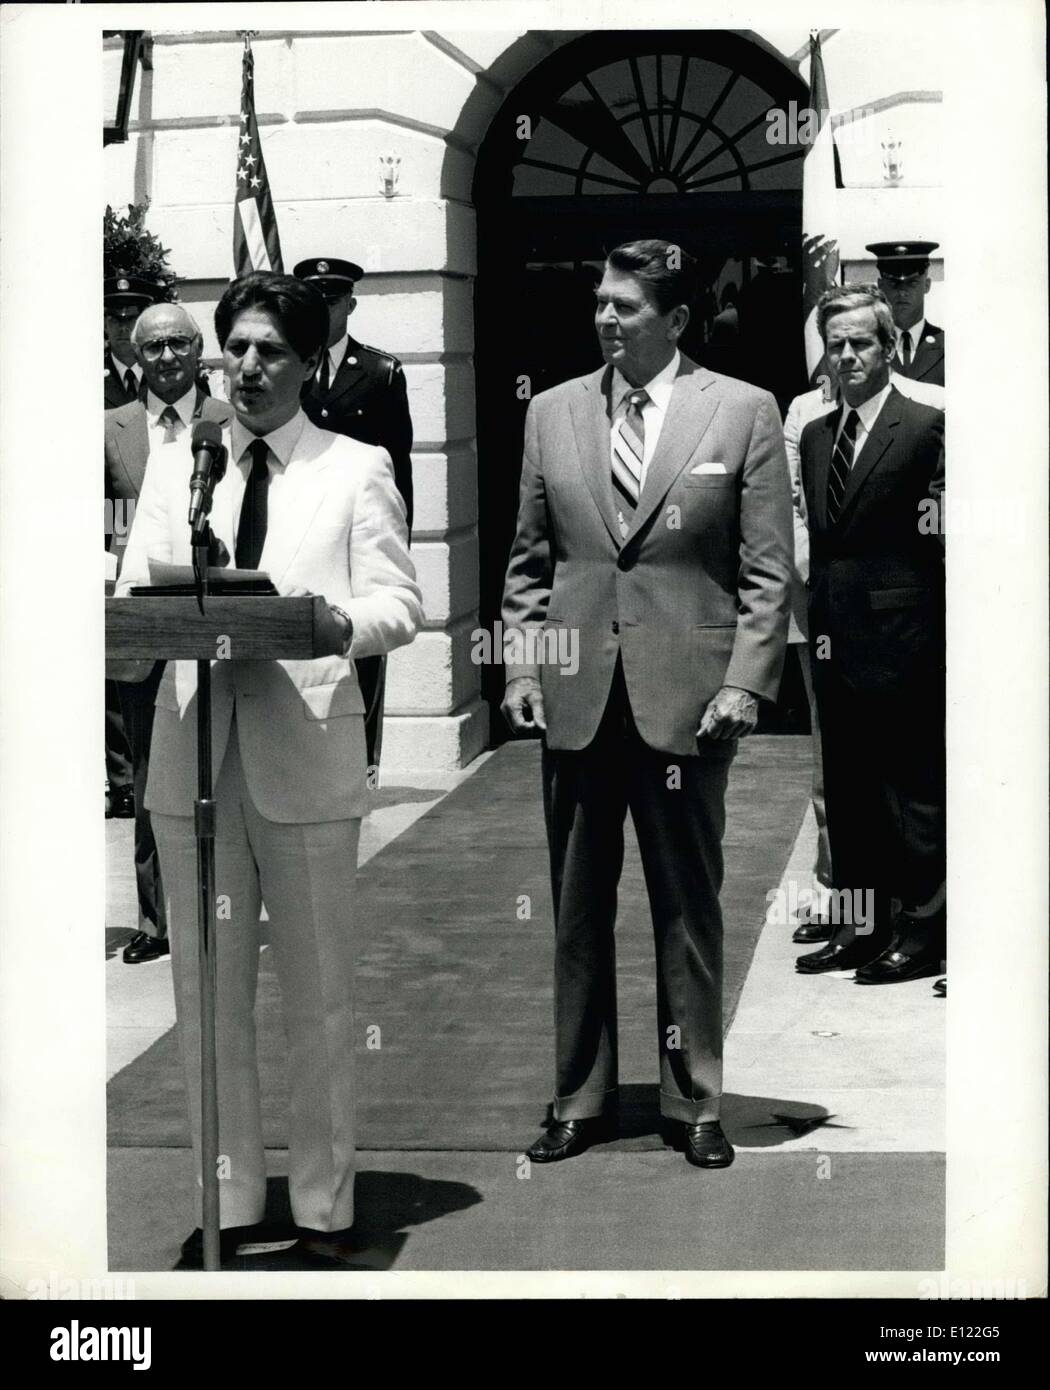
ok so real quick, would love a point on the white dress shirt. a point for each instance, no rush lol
(654, 410)
(868, 413)
(281, 441)
(161, 442)
(120, 371)
(915, 333)
(336, 353)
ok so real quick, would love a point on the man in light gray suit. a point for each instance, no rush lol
(655, 522)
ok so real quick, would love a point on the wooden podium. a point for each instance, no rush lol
(256, 627)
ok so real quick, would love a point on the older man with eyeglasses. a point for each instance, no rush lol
(167, 344)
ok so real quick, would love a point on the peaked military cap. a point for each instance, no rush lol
(328, 274)
(900, 260)
(124, 291)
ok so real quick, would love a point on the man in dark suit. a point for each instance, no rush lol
(904, 278)
(167, 344)
(873, 482)
(359, 391)
(654, 533)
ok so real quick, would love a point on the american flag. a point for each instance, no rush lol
(820, 248)
(256, 245)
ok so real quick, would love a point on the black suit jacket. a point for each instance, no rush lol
(927, 362)
(368, 401)
(876, 579)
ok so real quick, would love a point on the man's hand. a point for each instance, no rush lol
(330, 630)
(522, 705)
(733, 713)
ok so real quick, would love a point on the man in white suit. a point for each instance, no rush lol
(319, 513)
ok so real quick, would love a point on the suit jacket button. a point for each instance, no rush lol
(616, 629)
(352, 361)
(324, 414)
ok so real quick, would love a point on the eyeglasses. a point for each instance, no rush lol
(153, 351)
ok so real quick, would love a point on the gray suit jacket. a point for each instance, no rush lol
(126, 453)
(695, 597)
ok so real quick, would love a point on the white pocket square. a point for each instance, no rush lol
(708, 468)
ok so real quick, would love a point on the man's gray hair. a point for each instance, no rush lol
(842, 298)
(136, 332)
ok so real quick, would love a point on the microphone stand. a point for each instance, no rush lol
(204, 833)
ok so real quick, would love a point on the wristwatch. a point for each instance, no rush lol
(348, 624)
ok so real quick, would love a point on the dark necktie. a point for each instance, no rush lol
(841, 463)
(251, 529)
(628, 452)
(324, 377)
(131, 385)
(169, 418)
(906, 348)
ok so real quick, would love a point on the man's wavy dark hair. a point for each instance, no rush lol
(297, 308)
(665, 268)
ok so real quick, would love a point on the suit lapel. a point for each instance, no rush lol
(302, 495)
(590, 422)
(928, 354)
(822, 448)
(349, 376)
(689, 414)
(132, 441)
(878, 442)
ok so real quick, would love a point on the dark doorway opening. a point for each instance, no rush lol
(617, 136)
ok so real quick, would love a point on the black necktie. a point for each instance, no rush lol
(251, 529)
(131, 385)
(841, 463)
(323, 378)
(906, 349)
(169, 418)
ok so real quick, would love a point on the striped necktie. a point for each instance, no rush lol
(841, 463)
(628, 453)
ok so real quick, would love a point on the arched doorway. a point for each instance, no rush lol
(620, 135)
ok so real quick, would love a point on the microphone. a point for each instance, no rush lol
(209, 466)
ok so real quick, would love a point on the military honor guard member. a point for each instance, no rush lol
(904, 278)
(359, 391)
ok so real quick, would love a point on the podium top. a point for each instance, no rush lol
(255, 627)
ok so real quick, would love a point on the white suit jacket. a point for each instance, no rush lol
(337, 528)
(810, 406)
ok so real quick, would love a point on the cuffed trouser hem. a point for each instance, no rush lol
(585, 1105)
(690, 1112)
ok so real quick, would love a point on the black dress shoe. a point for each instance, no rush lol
(706, 1146)
(231, 1238)
(940, 987)
(815, 929)
(120, 804)
(566, 1139)
(836, 957)
(893, 966)
(142, 948)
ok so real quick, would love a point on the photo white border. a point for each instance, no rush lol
(52, 851)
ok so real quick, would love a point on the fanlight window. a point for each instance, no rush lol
(657, 123)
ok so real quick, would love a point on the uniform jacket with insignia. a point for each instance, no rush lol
(367, 400)
(927, 363)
